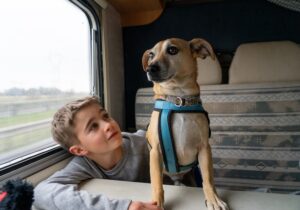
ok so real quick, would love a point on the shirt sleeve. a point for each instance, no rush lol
(60, 192)
(141, 133)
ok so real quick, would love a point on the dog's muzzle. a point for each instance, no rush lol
(153, 73)
(156, 74)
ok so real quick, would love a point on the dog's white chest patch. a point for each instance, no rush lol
(187, 130)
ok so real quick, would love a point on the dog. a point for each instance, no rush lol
(172, 67)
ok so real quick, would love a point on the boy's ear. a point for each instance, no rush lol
(77, 150)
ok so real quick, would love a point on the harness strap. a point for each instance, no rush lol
(166, 109)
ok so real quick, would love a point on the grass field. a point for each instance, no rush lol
(26, 118)
(24, 139)
(17, 141)
(27, 138)
(6, 101)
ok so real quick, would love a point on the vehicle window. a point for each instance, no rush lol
(44, 62)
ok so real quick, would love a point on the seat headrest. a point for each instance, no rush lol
(209, 71)
(277, 61)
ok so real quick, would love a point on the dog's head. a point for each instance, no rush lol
(174, 57)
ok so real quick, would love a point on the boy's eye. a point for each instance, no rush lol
(106, 116)
(94, 126)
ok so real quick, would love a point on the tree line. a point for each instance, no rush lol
(35, 92)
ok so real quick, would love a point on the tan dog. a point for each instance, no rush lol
(171, 66)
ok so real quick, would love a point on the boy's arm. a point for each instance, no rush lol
(141, 133)
(60, 191)
(54, 196)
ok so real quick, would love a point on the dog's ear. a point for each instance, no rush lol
(145, 59)
(201, 48)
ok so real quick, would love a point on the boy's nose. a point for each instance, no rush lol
(107, 126)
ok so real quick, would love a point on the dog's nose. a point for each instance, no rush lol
(152, 68)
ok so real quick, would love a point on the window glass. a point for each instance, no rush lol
(44, 62)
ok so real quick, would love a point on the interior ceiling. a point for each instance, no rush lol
(138, 12)
(190, 1)
(131, 6)
(141, 12)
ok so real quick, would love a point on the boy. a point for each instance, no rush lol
(85, 129)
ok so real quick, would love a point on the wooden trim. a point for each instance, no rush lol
(138, 12)
(140, 18)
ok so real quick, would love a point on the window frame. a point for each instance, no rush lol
(96, 47)
(38, 160)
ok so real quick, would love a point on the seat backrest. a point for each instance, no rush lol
(277, 61)
(255, 133)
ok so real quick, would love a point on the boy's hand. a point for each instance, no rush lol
(138, 205)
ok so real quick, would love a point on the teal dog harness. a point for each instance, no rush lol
(166, 109)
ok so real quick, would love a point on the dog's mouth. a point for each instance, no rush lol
(157, 77)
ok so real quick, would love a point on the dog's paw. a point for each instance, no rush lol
(160, 202)
(158, 198)
(178, 183)
(216, 204)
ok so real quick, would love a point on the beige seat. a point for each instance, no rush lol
(209, 71)
(265, 62)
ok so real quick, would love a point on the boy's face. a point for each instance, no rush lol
(97, 132)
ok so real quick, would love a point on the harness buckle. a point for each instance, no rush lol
(179, 101)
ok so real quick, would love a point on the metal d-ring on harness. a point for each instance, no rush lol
(166, 109)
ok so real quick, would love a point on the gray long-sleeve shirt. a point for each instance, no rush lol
(60, 191)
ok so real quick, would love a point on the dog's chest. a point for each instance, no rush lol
(188, 131)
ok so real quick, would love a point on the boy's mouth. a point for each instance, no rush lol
(112, 135)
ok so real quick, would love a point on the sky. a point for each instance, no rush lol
(43, 43)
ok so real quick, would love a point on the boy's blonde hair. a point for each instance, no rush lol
(63, 121)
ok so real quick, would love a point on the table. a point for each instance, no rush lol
(191, 198)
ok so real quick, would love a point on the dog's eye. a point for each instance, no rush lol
(172, 50)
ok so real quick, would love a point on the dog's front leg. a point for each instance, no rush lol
(156, 172)
(213, 201)
(156, 175)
